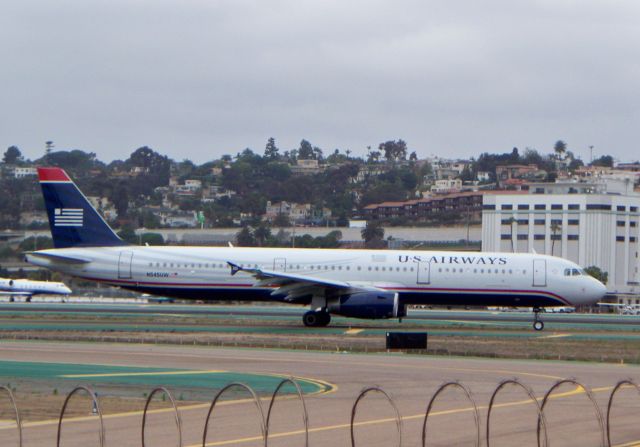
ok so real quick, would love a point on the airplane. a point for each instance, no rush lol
(28, 288)
(371, 284)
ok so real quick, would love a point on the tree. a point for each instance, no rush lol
(604, 161)
(305, 152)
(281, 220)
(12, 155)
(373, 234)
(271, 150)
(597, 273)
(394, 150)
(244, 238)
(262, 233)
(560, 148)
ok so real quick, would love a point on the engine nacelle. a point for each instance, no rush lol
(371, 305)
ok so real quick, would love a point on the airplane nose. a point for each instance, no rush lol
(596, 290)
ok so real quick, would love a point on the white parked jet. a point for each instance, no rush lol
(27, 288)
(353, 283)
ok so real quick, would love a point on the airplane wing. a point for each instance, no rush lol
(293, 286)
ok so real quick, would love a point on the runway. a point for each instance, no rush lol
(410, 380)
(295, 312)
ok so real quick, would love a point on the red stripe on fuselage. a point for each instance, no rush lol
(52, 175)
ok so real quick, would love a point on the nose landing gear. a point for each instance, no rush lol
(538, 324)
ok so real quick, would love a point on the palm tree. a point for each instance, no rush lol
(555, 228)
(560, 148)
(511, 221)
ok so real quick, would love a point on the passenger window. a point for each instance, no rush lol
(575, 272)
(567, 272)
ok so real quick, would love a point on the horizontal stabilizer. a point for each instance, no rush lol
(58, 257)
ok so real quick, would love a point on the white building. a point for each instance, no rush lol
(446, 186)
(591, 229)
(20, 171)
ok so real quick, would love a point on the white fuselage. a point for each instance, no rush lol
(28, 287)
(419, 277)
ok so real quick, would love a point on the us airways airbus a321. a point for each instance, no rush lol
(353, 283)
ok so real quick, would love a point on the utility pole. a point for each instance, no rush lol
(591, 154)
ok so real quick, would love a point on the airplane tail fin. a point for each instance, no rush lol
(73, 221)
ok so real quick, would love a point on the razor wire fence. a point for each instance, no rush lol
(480, 437)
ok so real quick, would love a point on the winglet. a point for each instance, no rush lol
(234, 268)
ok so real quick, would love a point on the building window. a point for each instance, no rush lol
(505, 237)
(572, 237)
(488, 207)
(599, 206)
(556, 237)
(539, 222)
(540, 207)
(506, 221)
(620, 223)
(523, 237)
(632, 239)
(633, 224)
(523, 221)
(621, 208)
(523, 207)
(619, 238)
(539, 191)
(633, 209)
(556, 221)
(556, 206)
(573, 222)
(507, 207)
(538, 237)
(574, 206)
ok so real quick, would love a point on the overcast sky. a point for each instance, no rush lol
(198, 79)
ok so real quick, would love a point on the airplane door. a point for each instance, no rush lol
(539, 272)
(424, 272)
(279, 265)
(124, 265)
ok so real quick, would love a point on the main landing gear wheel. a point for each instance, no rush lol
(538, 324)
(316, 318)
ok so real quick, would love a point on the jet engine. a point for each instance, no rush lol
(369, 304)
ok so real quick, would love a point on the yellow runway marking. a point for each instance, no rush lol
(353, 331)
(555, 336)
(135, 374)
(325, 362)
(329, 388)
(577, 390)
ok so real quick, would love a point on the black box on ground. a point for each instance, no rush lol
(406, 340)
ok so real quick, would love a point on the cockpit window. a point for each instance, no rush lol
(574, 272)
